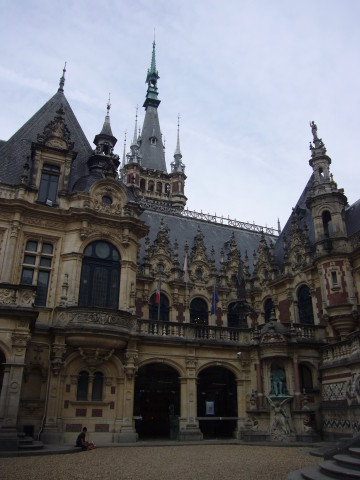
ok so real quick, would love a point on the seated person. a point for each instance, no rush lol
(81, 441)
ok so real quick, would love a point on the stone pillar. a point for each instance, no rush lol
(297, 383)
(241, 403)
(10, 250)
(119, 407)
(128, 432)
(189, 425)
(4, 391)
(259, 385)
(10, 400)
(51, 433)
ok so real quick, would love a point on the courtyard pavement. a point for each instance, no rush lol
(162, 460)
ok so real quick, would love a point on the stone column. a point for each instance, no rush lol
(51, 433)
(297, 383)
(259, 385)
(189, 426)
(10, 250)
(128, 432)
(10, 399)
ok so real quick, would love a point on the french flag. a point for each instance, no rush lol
(157, 297)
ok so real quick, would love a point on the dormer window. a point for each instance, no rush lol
(49, 184)
(153, 140)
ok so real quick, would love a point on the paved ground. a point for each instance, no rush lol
(182, 462)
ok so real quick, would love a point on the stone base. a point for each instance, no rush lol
(190, 434)
(251, 436)
(126, 436)
(51, 436)
(9, 440)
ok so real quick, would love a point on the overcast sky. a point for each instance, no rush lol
(246, 76)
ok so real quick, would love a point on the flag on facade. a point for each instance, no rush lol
(186, 273)
(157, 297)
(214, 301)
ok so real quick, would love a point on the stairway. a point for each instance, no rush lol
(28, 444)
(340, 463)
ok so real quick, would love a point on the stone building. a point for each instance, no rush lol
(125, 312)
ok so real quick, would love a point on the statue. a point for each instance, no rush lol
(281, 425)
(314, 130)
(278, 382)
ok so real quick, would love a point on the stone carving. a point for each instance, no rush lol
(95, 356)
(95, 318)
(7, 296)
(280, 423)
(56, 133)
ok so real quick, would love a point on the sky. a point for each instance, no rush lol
(246, 77)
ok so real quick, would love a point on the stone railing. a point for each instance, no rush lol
(345, 351)
(297, 332)
(87, 317)
(189, 331)
(308, 332)
(17, 295)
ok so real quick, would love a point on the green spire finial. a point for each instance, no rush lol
(151, 79)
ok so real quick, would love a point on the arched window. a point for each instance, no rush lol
(162, 311)
(306, 383)
(268, 308)
(82, 386)
(306, 314)
(142, 184)
(100, 276)
(151, 186)
(159, 187)
(327, 224)
(199, 312)
(97, 387)
(236, 315)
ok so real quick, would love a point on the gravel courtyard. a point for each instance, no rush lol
(189, 462)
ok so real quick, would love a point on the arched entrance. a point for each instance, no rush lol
(157, 401)
(217, 402)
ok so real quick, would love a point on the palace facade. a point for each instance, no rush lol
(124, 312)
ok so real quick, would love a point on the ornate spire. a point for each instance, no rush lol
(151, 79)
(134, 142)
(106, 130)
(177, 165)
(62, 81)
(317, 148)
(124, 152)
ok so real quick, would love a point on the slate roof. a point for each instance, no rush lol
(304, 217)
(352, 218)
(153, 156)
(14, 152)
(184, 229)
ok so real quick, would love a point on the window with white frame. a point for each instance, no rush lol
(36, 268)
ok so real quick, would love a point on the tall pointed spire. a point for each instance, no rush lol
(177, 165)
(134, 156)
(177, 150)
(62, 81)
(106, 130)
(134, 142)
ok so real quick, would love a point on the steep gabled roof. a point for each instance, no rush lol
(14, 152)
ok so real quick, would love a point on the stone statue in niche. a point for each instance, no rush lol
(278, 382)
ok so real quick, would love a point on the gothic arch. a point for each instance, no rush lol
(199, 311)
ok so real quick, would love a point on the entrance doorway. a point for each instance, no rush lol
(217, 402)
(157, 401)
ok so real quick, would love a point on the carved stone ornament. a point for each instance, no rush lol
(20, 339)
(94, 318)
(94, 357)
(56, 133)
(7, 296)
(272, 337)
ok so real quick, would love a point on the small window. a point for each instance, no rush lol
(199, 273)
(199, 312)
(306, 314)
(82, 386)
(334, 278)
(327, 224)
(268, 308)
(153, 140)
(106, 200)
(306, 382)
(49, 184)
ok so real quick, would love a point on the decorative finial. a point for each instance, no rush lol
(108, 105)
(154, 36)
(135, 130)
(177, 150)
(62, 80)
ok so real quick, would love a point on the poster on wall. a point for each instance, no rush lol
(210, 408)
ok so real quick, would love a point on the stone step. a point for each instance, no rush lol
(25, 440)
(354, 451)
(35, 445)
(334, 470)
(309, 473)
(348, 461)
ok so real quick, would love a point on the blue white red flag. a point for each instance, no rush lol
(214, 301)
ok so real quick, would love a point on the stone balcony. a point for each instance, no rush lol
(17, 297)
